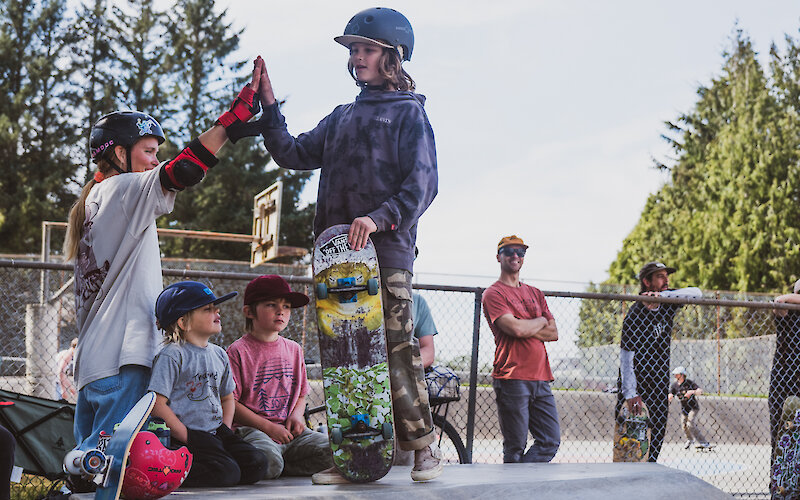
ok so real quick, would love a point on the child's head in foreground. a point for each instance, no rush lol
(188, 307)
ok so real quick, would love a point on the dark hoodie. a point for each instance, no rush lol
(378, 158)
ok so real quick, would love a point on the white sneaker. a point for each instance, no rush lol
(427, 463)
(329, 476)
(688, 444)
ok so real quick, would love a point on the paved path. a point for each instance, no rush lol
(480, 481)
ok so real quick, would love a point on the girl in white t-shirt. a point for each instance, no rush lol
(112, 238)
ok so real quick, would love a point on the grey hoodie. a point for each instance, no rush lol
(377, 157)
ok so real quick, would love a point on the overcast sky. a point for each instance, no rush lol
(546, 114)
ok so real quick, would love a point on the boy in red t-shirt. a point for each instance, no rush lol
(271, 383)
(521, 322)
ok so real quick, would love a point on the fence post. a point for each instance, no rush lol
(719, 354)
(41, 346)
(473, 374)
(44, 278)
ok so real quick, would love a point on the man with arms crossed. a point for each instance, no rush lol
(521, 322)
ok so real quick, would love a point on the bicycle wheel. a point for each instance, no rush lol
(453, 450)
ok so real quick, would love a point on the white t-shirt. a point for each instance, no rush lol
(118, 275)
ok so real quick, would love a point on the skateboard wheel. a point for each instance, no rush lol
(322, 291)
(387, 431)
(93, 462)
(336, 434)
(72, 462)
(372, 286)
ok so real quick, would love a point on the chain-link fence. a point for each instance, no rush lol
(725, 344)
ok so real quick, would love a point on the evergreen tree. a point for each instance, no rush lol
(37, 144)
(94, 60)
(729, 217)
(203, 43)
(141, 33)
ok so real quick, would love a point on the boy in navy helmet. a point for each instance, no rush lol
(194, 387)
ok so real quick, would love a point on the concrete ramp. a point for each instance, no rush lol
(492, 481)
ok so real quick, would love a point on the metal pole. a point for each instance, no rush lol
(44, 276)
(719, 354)
(473, 374)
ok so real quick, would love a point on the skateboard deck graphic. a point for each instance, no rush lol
(352, 347)
(120, 445)
(631, 436)
(785, 474)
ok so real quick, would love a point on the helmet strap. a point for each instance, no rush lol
(116, 167)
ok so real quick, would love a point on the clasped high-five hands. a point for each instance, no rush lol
(260, 84)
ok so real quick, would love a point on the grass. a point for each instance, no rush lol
(32, 487)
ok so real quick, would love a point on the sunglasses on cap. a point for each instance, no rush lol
(508, 251)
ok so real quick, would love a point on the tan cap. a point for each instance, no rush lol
(511, 240)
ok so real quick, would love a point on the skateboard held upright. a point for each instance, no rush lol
(352, 347)
(631, 435)
(785, 473)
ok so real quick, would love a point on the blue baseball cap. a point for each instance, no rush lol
(180, 298)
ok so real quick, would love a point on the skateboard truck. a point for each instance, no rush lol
(347, 288)
(360, 429)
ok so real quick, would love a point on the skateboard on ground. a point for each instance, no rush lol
(785, 474)
(352, 346)
(106, 464)
(631, 435)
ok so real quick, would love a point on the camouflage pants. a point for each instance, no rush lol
(412, 412)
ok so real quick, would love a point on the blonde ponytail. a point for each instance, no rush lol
(77, 214)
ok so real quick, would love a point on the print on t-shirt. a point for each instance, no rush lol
(274, 382)
(89, 276)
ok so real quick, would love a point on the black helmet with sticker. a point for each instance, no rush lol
(380, 25)
(122, 128)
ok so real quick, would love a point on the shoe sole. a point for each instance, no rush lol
(328, 481)
(428, 474)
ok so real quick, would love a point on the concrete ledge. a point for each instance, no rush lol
(479, 481)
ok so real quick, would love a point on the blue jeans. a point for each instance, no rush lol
(522, 406)
(105, 402)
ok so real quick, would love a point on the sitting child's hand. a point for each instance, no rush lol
(279, 434)
(295, 425)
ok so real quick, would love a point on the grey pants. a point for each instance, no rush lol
(304, 455)
(522, 406)
(690, 427)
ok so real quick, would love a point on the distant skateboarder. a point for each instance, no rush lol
(687, 391)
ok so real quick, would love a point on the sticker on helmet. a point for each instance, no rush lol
(145, 126)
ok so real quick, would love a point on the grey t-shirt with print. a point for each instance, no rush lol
(193, 379)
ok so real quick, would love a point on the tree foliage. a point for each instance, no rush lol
(178, 65)
(36, 139)
(729, 217)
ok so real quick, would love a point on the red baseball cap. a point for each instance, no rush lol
(272, 286)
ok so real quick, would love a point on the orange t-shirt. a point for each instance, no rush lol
(515, 358)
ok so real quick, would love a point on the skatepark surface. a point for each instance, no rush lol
(550, 481)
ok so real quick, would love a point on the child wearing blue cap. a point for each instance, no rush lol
(194, 387)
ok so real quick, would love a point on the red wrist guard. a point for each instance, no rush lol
(244, 107)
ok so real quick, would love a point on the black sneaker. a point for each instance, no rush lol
(77, 484)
